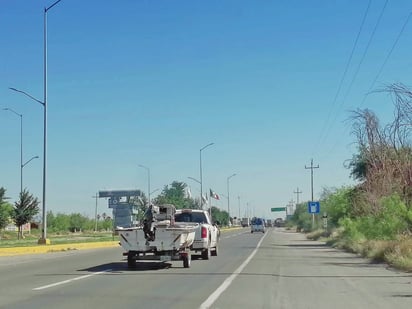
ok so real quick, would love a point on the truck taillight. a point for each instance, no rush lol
(204, 232)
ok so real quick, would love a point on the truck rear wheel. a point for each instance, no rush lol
(214, 252)
(206, 253)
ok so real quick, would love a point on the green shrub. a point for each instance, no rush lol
(391, 221)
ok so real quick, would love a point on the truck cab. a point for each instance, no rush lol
(206, 235)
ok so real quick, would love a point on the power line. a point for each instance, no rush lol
(355, 75)
(387, 57)
(344, 74)
(364, 53)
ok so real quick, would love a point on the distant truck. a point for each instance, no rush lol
(245, 222)
(269, 223)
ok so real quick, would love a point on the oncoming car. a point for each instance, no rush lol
(258, 225)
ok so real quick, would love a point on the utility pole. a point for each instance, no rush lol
(311, 167)
(297, 195)
(311, 184)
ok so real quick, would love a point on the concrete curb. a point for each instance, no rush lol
(56, 248)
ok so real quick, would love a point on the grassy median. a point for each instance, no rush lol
(9, 239)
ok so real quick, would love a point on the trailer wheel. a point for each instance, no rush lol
(186, 260)
(131, 260)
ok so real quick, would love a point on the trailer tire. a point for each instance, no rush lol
(186, 261)
(131, 260)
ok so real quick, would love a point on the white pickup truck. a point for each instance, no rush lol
(206, 235)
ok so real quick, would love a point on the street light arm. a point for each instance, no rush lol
(13, 111)
(143, 166)
(46, 9)
(207, 146)
(35, 157)
(231, 176)
(28, 95)
(194, 179)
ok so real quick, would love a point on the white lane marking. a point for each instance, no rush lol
(215, 295)
(233, 235)
(69, 280)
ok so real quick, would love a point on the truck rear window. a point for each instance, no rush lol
(190, 217)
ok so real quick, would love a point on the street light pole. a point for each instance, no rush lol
(21, 145)
(148, 180)
(228, 194)
(238, 199)
(201, 176)
(95, 212)
(43, 239)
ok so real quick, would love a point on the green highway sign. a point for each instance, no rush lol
(278, 209)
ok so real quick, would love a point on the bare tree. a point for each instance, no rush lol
(384, 162)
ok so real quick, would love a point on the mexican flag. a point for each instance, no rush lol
(214, 195)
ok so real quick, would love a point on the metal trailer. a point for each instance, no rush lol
(158, 239)
(170, 243)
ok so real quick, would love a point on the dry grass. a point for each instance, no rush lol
(375, 249)
(399, 253)
(318, 234)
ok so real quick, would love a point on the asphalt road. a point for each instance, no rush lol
(277, 269)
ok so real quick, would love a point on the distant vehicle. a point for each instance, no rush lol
(245, 222)
(207, 234)
(258, 225)
(269, 223)
(279, 222)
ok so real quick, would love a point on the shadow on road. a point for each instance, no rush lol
(122, 266)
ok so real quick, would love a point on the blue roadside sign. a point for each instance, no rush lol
(313, 207)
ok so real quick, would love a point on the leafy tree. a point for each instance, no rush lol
(175, 194)
(302, 218)
(107, 224)
(5, 209)
(358, 166)
(220, 216)
(59, 222)
(24, 210)
(337, 204)
(78, 222)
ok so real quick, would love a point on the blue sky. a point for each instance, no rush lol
(152, 82)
